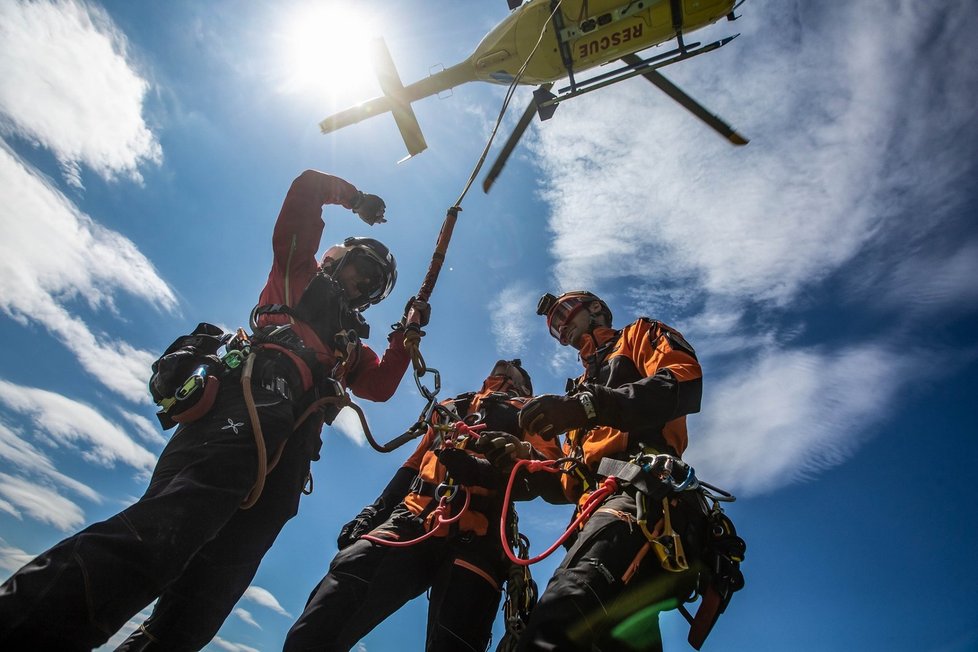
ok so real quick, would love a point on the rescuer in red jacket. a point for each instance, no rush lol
(628, 407)
(195, 538)
(462, 563)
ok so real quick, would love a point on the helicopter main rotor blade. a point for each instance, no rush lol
(514, 138)
(686, 101)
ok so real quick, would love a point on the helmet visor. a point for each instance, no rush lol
(371, 280)
(561, 313)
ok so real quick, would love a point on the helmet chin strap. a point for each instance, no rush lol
(592, 323)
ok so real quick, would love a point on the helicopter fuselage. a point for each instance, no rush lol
(593, 32)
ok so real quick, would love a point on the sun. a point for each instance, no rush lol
(325, 50)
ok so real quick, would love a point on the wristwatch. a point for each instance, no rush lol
(587, 400)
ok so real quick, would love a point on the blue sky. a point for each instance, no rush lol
(825, 274)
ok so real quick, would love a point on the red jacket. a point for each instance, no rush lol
(295, 243)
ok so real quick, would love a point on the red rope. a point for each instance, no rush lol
(461, 429)
(439, 522)
(608, 487)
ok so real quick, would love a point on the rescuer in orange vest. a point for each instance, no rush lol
(408, 541)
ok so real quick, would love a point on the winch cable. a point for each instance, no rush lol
(506, 100)
(412, 338)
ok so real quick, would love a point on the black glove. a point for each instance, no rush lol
(373, 515)
(171, 370)
(421, 308)
(549, 415)
(369, 208)
(502, 449)
(368, 518)
(467, 470)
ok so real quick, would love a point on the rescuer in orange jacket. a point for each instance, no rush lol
(195, 538)
(638, 385)
(461, 562)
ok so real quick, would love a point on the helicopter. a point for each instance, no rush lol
(542, 42)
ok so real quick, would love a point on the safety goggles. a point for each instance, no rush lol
(561, 313)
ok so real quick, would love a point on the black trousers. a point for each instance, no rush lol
(367, 582)
(587, 606)
(185, 541)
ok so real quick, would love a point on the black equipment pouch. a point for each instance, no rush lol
(187, 376)
(721, 577)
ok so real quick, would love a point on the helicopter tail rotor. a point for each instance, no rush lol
(395, 99)
(390, 83)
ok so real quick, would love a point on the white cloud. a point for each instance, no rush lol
(148, 431)
(61, 421)
(52, 254)
(563, 360)
(12, 558)
(347, 423)
(791, 413)
(231, 646)
(511, 315)
(265, 598)
(40, 503)
(862, 130)
(69, 85)
(29, 459)
(929, 282)
(766, 220)
(246, 616)
(123, 633)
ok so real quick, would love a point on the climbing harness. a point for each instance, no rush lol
(521, 592)
(607, 488)
(440, 517)
(456, 434)
(662, 477)
(656, 476)
(721, 576)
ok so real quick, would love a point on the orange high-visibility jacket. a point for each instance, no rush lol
(645, 379)
(499, 412)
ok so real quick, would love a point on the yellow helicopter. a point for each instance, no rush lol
(543, 41)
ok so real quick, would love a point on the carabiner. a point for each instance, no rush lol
(451, 490)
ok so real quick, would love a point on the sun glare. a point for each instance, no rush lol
(326, 50)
